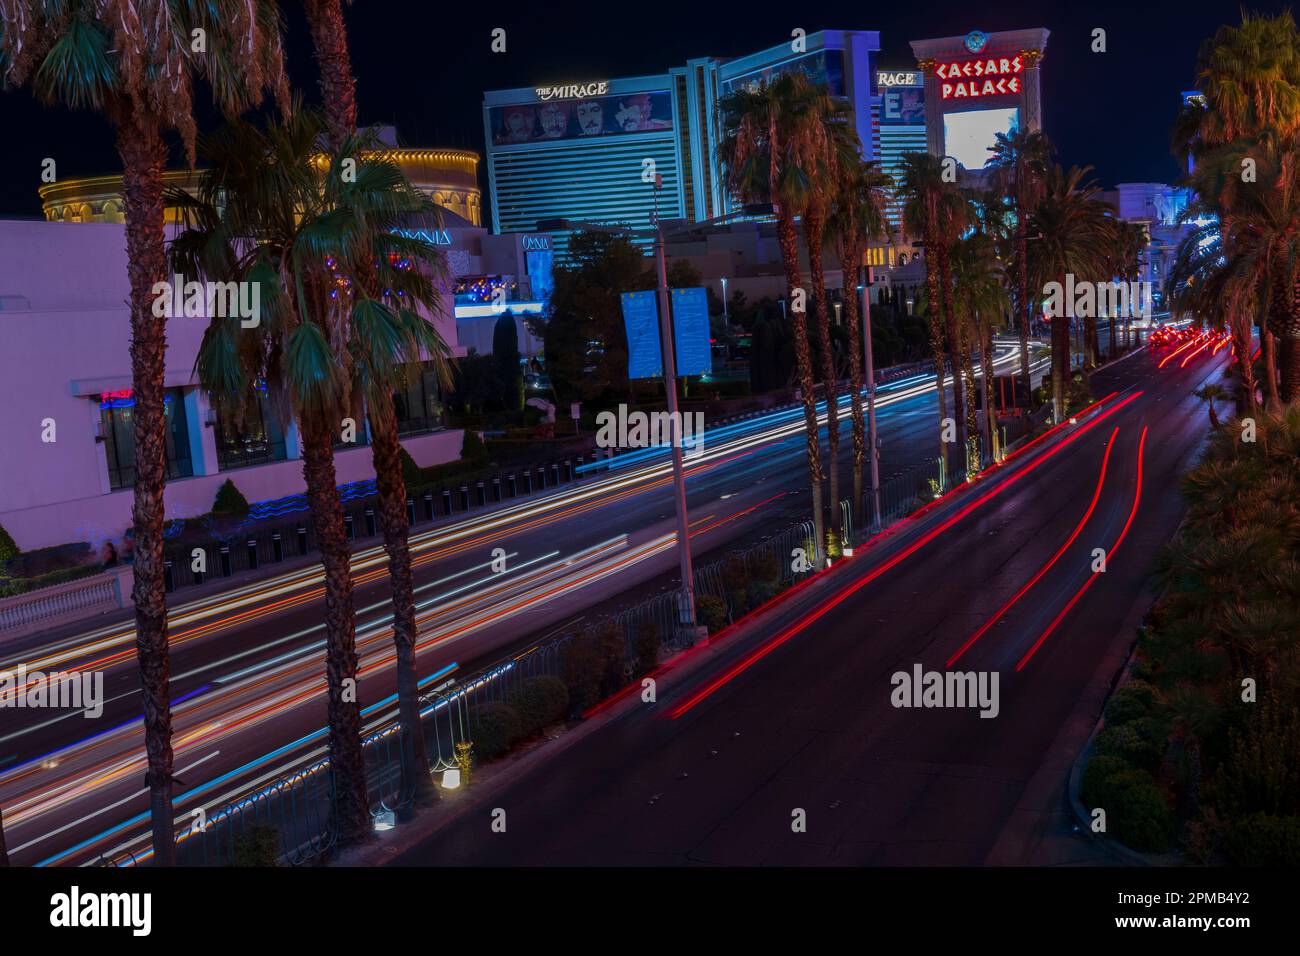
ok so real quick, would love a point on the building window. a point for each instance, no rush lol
(117, 423)
(259, 438)
(418, 404)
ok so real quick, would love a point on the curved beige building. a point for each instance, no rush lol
(448, 176)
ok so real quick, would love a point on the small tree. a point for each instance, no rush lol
(230, 501)
(8, 547)
(505, 351)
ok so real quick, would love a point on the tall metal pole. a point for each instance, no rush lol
(666, 343)
(871, 401)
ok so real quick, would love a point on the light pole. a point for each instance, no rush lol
(686, 611)
(871, 401)
(726, 314)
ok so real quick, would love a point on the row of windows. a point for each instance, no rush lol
(256, 439)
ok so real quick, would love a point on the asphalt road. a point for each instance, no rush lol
(795, 714)
(246, 664)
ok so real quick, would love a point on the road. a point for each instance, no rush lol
(246, 664)
(793, 713)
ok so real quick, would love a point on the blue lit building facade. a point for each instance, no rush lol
(583, 150)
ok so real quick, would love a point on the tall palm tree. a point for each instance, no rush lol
(339, 98)
(770, 141)
(1070, 224)
(859, 216)
(1250, 78)
(271, 211)
(839, 149)
(980, 295)
(935, 210)
(1020, 163)
(136, 64)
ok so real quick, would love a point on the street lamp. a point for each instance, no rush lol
(726, 316)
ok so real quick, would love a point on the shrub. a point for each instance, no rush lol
(541, 701)
(1135, 699)
(494, 730)
(647, 645)
(472, 448)
(711, 612)
(735, 579)
(1264, 840)
(594, 666)
(412, 476)
(230, 501)
(8, 548)
(259, 845)
(1137, 813)
(1136, 742)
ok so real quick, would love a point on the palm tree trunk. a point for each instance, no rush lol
(4, 850)
(338, 87)
(956, 340)
(849, 269)
(972, 413)
(1110, 357)
(1060, 359)
(814, 234)
(1289, 367)
(143, 152)
(986, 361)
(1268, 347)
(788, 241)
(347, 763)
(1023, 309)
(393, 520)
(1247, 404)
(935, 316)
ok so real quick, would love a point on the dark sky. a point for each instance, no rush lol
(423, 66)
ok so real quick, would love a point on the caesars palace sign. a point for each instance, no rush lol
(572, 92)
(992, 76)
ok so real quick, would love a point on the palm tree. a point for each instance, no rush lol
(1250, 78)
(1211, 393)
(1020, 163)
(339, 98)
(292, 222)
(935, 210)
(859, 216)
(839, 149)
(136, 64)
(980, 295)
(770, 139)
(1070, 223)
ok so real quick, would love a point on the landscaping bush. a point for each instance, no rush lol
(259, 845)
(411, 472)
(594, 663)
(764, 579)
(541, 701)
(1137, 813)
(647, 646)
(494, 730)
(1264, 840)
(8, 549)
(735, 579)
(1137, 741)
(472, 448)
(711, 612)
(230, 501)
(1131, 702)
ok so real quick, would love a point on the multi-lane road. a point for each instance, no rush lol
(782, 741)
(247, 678)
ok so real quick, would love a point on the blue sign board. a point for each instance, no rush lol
(641, 319)
(690, 328)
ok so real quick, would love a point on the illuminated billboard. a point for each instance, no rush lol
(969, 136)
(581, 117)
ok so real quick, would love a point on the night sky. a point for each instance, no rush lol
(423, 66)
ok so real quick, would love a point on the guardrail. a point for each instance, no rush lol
(59, 604)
